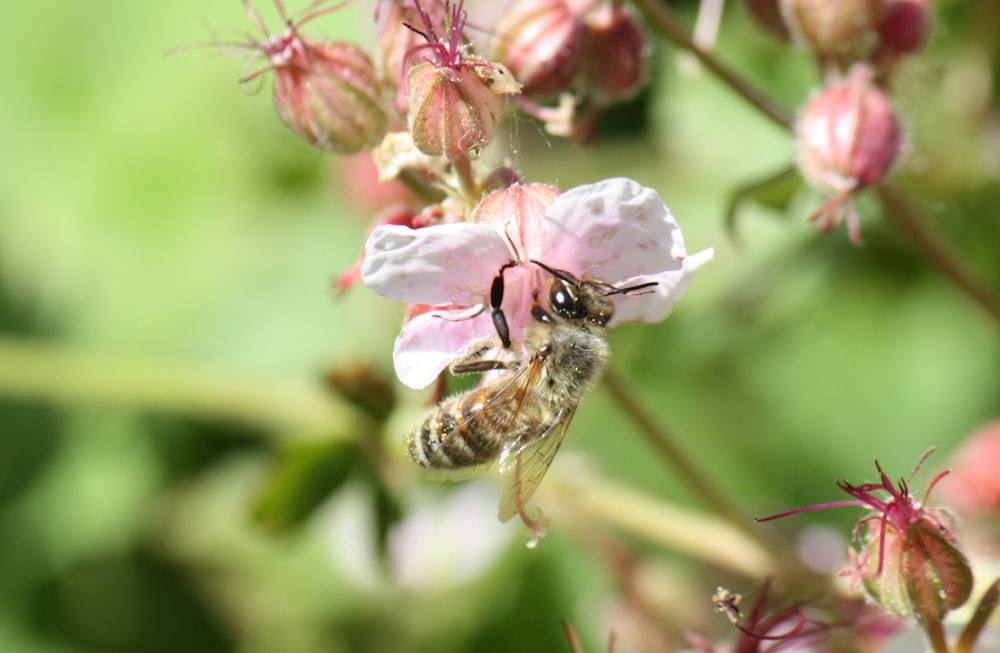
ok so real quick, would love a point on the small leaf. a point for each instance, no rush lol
(937, 576)
(774, 191)
(301, 479)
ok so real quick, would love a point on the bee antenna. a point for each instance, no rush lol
(629, 289)
(559, 274)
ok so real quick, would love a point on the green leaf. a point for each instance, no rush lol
(302, 478)
(774, 191)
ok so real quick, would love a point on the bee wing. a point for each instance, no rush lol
(500, 411)
(525, 466)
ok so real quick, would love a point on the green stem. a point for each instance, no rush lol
(935, 635)
(44, 372)
(466, 178)
(901, 214)
(663, 20)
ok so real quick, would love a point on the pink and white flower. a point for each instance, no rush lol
(614, 231)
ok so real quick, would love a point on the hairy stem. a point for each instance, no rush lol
(662, 19)
(935, 635)
(40, 372)
(902, 215)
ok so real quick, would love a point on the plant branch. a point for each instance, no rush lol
(663, 20)
(36, 371)
(935, 635)
(901, 214)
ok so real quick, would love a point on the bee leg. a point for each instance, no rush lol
(474, 367)
(496, 300)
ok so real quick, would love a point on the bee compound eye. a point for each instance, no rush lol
(564, 302)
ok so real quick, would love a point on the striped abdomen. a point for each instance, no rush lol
(456, 434)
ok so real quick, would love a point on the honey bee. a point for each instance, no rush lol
(521, 414)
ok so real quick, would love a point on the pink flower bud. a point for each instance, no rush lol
(616, 54)
(924, 574)
(541, 42)
(848, 134)
(327, 94)
(903, 25)
(848, 138)
(452, 111)
(831, 27)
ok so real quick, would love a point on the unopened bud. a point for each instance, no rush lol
(452, 111)
(848, 135)
(903, 25)
(831, 27)
(616, 54)
(327, 94)
(541, 42)
(924, 574)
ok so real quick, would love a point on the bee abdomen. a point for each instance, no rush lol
(451, 437)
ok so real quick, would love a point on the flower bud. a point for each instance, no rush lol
(327, 94)
(902, 25)
(848, 135)
(831, 27)
(616, 54)
(452, 111)
(924, 575)
(541, 42)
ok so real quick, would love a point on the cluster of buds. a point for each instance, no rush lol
(848, 133)
(424, 104)
(842, 32)
(562, 59)
(573, 57)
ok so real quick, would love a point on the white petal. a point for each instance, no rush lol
(655, 305)
(430, 342)
(439, 265)
(613, 230)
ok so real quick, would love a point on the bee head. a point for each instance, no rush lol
(573, 299)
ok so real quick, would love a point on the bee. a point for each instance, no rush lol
(520, 414)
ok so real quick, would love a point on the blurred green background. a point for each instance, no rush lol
(167, 250)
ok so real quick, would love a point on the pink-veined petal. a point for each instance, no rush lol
(430, 342)
(611, 230)
(654, 305)
(449, 264)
